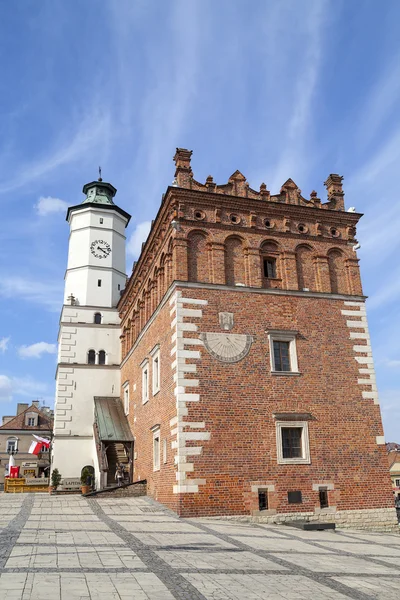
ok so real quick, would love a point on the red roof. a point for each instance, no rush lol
(45, 423)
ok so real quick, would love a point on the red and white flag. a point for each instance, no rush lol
(37, 445)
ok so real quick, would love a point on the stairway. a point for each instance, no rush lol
(116, 455)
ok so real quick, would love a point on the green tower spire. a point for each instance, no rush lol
(99, 192)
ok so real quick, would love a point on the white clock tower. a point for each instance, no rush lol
(88, 340)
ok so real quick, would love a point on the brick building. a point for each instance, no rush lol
(247, 374)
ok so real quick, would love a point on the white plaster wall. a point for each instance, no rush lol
(76, 388)
(84, 269)
(77, 382)
(85, 314)
(71, 455)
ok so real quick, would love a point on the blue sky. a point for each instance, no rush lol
(296, 88)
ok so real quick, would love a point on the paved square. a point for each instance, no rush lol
(70, 548)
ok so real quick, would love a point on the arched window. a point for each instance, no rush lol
(305, 268)
(234, 261)
(269, 252)
(102, 357)
(97, 318)
(91, 357)
(337, 273)
(198, 257)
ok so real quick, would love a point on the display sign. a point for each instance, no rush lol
(14, 472)
(70, 483)
(37, 481)
(29, 465)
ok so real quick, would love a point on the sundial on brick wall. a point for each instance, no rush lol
(224, 346)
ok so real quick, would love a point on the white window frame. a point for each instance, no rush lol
(305, 459)
(125, 389)
(31, 419)
(156, 451)
(12, 439)
(155, 370)
(165, 447)
(283, 336)
(145, 381)
(397, 482)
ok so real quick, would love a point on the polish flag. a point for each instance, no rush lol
(37, 445)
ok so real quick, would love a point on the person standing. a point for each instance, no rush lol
(119, 476)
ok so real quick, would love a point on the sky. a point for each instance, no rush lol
(295, 88)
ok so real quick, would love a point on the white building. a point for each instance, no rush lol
(88, 340)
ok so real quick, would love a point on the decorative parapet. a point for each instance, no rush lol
(237, 185)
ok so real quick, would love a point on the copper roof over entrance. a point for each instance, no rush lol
(111, 421)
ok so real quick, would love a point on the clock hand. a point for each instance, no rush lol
(102, 249)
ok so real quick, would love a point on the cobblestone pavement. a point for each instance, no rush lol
(70, 548)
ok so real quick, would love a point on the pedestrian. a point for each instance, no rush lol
(119, 476)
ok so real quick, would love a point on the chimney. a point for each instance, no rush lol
(6, 420)
(183, 171)
(21, 407)
(335, 191)
(35, 403)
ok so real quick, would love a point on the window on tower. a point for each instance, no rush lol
(91, 357)
(97, 318)
(99, 283)
(102, 357)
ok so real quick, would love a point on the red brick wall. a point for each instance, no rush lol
(158, 410)
(238, 401)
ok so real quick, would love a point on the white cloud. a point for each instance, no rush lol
(387, 294)
(300, 123)
(92, 127)
(5, 388)
(392, 363)
(48, 205)
(4, 344)
(134, 245)
(48, 295)
(22, 386)
(37, 350)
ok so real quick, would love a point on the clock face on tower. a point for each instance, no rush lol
(100, 248)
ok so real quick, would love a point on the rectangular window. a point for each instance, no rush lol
(156, 450)
(126, 399)
(11, 445)
(44, 448)
(270, 268)
(397, 482)
(295, 497)
(101, 220)
(262, 500)
(323, 497)
(31, 421)
(281, 356)
(145, 381)
(155, 353)
(291, 442)
(99, 283)
(165, 452)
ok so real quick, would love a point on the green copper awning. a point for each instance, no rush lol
(111, 421)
